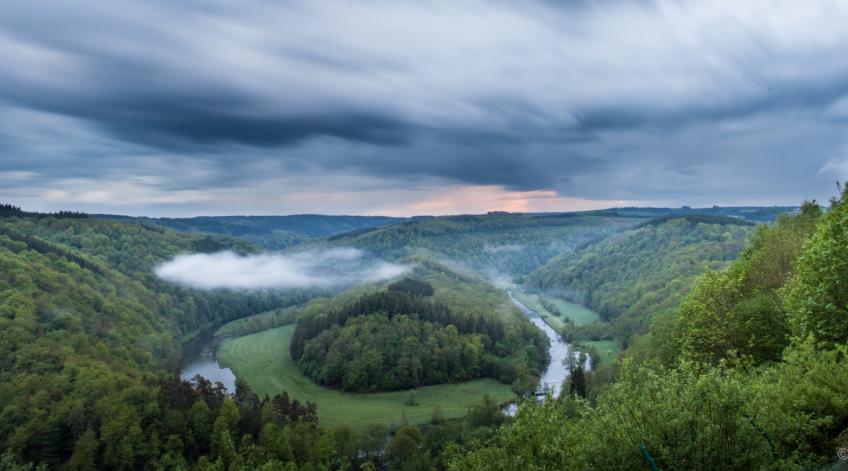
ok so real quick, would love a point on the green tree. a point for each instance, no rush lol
(818, 293)
(405, 447)
(738, 311)
(85, 452)
(577, 383)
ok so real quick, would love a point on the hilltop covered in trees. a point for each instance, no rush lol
(634, 275)
(396, 340)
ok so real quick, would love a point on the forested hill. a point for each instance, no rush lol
(73, 338)
(638, 273)
(497, 244)
(751, 372)
(133, 250)
(270, 232)
(278, 232)
(748, 213)
(434, 326)
(88, 337)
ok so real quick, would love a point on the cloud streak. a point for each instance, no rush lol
(653, 101)
(307, 269)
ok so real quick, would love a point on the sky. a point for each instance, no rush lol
(188, 107)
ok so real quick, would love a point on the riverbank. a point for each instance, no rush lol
(562, 354)
(199, 359)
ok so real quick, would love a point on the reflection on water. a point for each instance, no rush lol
(560, 352)
(201, 361)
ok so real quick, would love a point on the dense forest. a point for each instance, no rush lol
(495, 245)
(134, 250)
(398, 340)
(86, 332)
(749, 373)
(85, 358)
(743, 369)
(630, 277)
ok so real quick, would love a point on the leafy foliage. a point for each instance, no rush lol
(395, 340)
(685, 419)
(83, 344)
(134, 250)
(738, 311)
(818, 294)
(632, 276)
(738, 391)
(412, 286)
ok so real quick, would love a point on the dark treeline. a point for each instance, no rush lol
(412, 286)
(698, 218)
(44, 247)
(375, 352)
(8, 210)
(396, 340)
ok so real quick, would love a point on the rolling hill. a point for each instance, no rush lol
(268, 232)
(631, 276)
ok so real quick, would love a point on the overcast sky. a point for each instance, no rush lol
(194, 107)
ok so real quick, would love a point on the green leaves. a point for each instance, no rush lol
(817, 296)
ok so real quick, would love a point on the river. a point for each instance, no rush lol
(199, 359)
(560, 351)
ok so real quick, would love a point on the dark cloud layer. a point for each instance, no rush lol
(670, 102)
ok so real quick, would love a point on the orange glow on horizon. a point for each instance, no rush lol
(482, 199)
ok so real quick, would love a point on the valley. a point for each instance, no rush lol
(458, 272)
(468, 315)
(562, 355)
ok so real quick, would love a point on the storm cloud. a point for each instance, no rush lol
(307, 269)
(186, 107)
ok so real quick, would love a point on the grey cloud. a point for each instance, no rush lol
(653, 101)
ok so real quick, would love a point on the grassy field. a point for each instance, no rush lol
(607, 350)
(259, 322)
(578, 314)
(263, 360)
(532, 301)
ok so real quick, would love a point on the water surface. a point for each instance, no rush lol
(561, 352)
(201, 361)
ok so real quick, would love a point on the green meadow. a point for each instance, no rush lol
(263, 360)
(578, 314)
(607, 350)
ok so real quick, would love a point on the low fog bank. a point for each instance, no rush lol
(307, 269)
